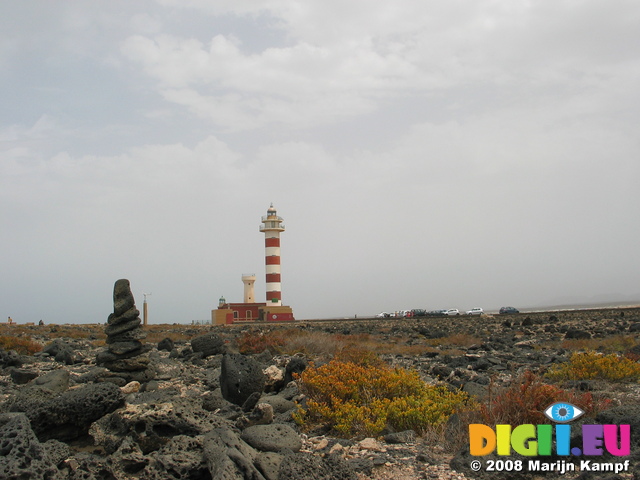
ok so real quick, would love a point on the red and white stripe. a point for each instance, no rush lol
(272, 226)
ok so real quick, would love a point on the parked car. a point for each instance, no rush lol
(419, 312)
(436, 313)
(509, 310)
(383, 315)
(475, 311)
(452, 311)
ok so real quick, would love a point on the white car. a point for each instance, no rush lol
(452, 311)
(475, 311)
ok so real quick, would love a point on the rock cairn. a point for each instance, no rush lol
(125, 355)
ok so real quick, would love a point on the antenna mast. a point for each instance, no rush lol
(144, 308)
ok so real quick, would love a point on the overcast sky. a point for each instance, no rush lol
(423, 154)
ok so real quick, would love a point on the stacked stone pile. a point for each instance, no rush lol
(126, 355)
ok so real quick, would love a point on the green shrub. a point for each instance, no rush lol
(362, 399)
(596, 366)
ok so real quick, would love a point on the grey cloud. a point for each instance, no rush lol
(424, 156)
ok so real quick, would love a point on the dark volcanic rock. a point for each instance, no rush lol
(240, 376)
(131, 314)
(151, 425)
(251, 401)
(106, 356)
(127, 336)
(462, 461)
(305, 466)
(441, 371)
(262, 414)
(120, 348)
(278, 403)
(10, 358)
(21, 376)
(61, 351)
(577, 334)
(166, 344)
(407, 436)
(22, 456)
(182, 456)
(272, 438)
(119, 328)
(634, 327)
(213, 401)
(296, 365)
(69, 415)
(269, 464)
(623, 415)
(208, 344)
(122, 299)
(229, 457)
(28, 399)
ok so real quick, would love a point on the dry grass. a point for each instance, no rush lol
(19, 338)
(455, 340)
(329, 345)
(157, 333)
(83, 331)
(326, 345)
(453, 435)
(94, 333)
(315, 344)
(17, 330)
(616, 344)
(451, 344)
(613, 344)
(86, 332)
(22, 345)
(279, 340)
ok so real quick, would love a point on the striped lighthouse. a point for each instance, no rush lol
(272, 226)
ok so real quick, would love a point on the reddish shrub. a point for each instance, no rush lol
(525, 401)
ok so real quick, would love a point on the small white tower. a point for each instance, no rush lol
(272, 226)
(249, 280)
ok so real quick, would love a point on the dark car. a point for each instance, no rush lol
(437, 313)
(509, 310)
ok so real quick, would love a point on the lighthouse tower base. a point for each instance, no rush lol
(229, 313)
(279, 313)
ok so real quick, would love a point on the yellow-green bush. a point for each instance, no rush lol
(592, 365)
(363, 399)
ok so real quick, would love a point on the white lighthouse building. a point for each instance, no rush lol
(248, 280)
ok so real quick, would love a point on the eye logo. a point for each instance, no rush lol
(563, 412)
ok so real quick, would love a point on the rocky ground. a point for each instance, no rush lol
(212, 413)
